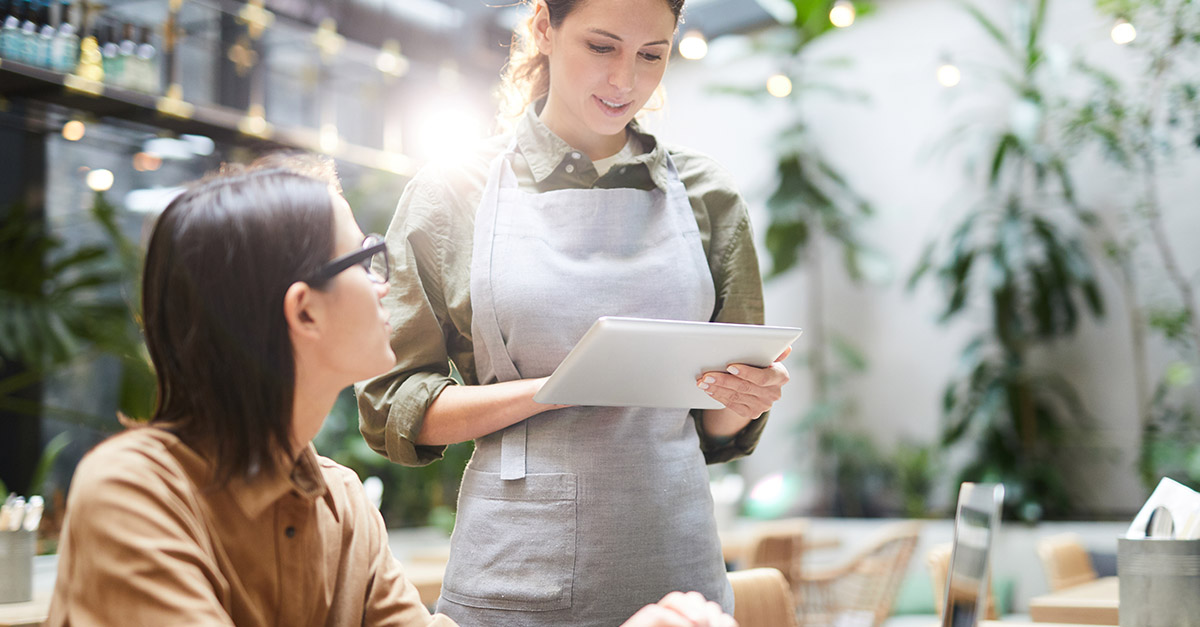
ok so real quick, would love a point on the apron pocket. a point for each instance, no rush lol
(513, 546)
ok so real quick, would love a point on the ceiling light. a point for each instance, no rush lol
(1123, 32)
(779, 86)
(948, 75)
(100, 180)
(693, 46)
(73, 131)
(842, 14)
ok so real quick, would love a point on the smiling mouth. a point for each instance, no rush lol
(614, 108)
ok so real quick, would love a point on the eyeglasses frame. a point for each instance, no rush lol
(338, 265)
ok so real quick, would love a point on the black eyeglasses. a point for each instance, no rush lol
(373, 257)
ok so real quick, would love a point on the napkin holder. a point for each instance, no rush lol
(16, 565)
(1160, 582)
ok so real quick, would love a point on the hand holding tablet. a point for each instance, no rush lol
(638, 362)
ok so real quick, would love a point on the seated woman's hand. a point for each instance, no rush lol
(746, 390)
(680, 609)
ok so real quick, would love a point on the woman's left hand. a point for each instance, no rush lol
(745, 390)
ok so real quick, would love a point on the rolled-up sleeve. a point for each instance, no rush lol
(737, 281)
(392, 406)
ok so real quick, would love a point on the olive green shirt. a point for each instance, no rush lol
(431, 238)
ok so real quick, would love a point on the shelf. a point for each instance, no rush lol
(222, 124)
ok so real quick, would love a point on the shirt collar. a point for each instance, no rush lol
(302, 475)
(545, 151)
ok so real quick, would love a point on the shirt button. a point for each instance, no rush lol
(290, 532)
(570, 168)
(622, 170)
(575, 155)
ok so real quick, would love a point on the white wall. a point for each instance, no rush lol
(883, 147)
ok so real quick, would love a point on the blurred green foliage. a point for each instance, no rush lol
(1147, 128)
(1018, 257)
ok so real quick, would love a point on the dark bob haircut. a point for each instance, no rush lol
(220, 260)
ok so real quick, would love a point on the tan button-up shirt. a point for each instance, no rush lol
(146, 543)
(429, 294)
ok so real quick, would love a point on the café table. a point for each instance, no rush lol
(1091, 603)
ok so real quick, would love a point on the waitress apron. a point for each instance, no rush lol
(580, 516)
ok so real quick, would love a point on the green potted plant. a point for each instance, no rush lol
(1145, 127)
(1018, 259)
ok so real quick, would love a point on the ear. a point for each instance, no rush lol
(303, 311)
(539, 25)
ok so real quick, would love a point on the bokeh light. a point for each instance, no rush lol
(948, 75)
(842, 14)
(693, 46)
(100, 180)
(779, 86)
(1123, 32)
(73, 131)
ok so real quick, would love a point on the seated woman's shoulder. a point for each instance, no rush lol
(135, 456)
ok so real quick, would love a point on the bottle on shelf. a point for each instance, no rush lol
(41, 50)
(64, 50)
(110, 48)
(10, 31)
(148, 64)
(27, 50)
(127, 53)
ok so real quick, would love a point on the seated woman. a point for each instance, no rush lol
(261, 301)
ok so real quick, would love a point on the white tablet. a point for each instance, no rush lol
(638, 362)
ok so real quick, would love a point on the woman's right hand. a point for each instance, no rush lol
(680, 609)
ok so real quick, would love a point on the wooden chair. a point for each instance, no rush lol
(762, 597)
(779, 544)
(861, 590)
(1065, 561)
(938, 562)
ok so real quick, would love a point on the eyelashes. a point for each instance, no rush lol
(599, 49)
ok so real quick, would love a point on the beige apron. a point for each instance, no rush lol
(580, 516)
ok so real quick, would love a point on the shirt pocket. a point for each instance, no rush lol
(513, 546)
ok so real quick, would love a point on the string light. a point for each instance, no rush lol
(948, 74)
(1123, 32)
(779, 86)
(73, 131)
(693, 46)
(99, 180)
(842, 14)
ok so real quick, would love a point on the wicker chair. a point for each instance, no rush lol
(1065, 561)
(779, 544)
(938, 561)
(762, 598)
(861, 590)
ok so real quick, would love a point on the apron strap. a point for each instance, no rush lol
(488, 335)
(512, 452)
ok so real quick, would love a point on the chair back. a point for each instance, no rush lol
(860, 591)
(1065, 561)
(762, 597)
(780, 545)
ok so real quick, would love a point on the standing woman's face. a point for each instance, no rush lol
(606, 60)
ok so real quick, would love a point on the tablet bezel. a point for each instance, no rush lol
(643, 362)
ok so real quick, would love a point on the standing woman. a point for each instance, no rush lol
(569, 515)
